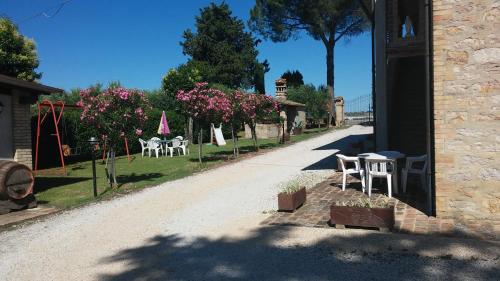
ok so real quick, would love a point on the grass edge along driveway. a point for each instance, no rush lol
(75, 189)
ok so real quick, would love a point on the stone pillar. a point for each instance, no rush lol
(339, 111)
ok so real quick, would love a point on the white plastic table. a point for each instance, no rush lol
(165, 142)
(384, 155)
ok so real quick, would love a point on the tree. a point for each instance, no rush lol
(18, 56)
(205, 105)
(325, 20)
(184, 77)
(261, 68)
(238, 116)
(221, 42)
(113, 113)
(258, 108)
(316, 100)
(293, 78)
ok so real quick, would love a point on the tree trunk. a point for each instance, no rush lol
(330, 78)
(200, 144)
(211, 134)
(235, 145)
(189, 134)
(254, 136)
(110, 167)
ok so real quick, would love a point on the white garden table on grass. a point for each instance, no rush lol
(385, 155)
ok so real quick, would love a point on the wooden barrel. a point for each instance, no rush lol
(16, 180)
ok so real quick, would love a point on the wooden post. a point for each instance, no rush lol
(126, 149)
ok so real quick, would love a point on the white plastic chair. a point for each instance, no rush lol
(176, 145)
(381, 168)
(411, 168)
(185, 146)
(155, 144)
(349, 171)
(144, 146)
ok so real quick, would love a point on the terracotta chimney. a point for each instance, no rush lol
(281, 89)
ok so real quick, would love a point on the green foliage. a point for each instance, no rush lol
(183, 78)
(176, 124)
(223, 88)
(324, 20)
(75, 133)
(291, 187)
(365, 203)
(316, 100)
(18, 56)
(293, 78)
(261, 68)
(221, 42)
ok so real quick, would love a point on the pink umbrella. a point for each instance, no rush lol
(163, 128)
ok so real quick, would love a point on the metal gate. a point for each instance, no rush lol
(358, 110)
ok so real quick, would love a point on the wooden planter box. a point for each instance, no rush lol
(382, 218)
(291, 201)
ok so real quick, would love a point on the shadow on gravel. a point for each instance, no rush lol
(343, 145)
(257, 257)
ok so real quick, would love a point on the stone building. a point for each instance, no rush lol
(438, 93)
(292, 112)
(16, 96)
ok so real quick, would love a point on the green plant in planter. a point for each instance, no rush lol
(365, 203)
(291, 187)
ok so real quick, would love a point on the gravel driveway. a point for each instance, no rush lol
(206, 227)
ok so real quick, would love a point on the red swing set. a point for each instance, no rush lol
(56, 109)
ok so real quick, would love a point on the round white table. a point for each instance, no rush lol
(385, 155)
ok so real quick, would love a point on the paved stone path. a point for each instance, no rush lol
(408, 215)
(207, 227)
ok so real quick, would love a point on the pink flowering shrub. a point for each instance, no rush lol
(259, 108)
(114, 112)
(205, 105)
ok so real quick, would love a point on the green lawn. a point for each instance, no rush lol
(76, 188)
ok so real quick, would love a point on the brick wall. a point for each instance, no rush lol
(21, 119)
(467, 113)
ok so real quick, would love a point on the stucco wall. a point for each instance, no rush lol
(467, 112)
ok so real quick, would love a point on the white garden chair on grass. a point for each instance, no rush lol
(381, 168)
(144, 146)
(416, 166)
(155, 144)
(349, 171)
(177, 144)
(185, 146)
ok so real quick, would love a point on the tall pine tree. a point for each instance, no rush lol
(220, 41)
(327, 21)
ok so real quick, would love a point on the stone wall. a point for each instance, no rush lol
(263, 131)
(21, 119)
(467, 113)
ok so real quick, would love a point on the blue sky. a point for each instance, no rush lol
(136, 42)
